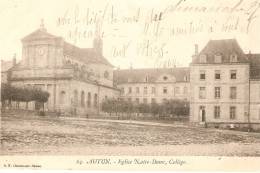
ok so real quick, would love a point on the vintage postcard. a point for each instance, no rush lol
(130, 84)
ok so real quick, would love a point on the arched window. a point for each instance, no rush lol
(75, 98)
(89, 99)
(82, 99)
(95, 100)
(62, 97)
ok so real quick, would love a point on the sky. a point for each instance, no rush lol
(136, 33)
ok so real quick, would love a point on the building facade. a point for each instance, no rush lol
(153, 85)
(224, 84)
(78, 79)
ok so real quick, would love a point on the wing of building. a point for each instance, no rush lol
(222, 83)
(153, 85)
(78, 79)
(225, 84)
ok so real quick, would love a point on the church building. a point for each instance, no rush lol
(78, 79)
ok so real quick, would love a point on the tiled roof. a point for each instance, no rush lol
(139, 75)
(86, 55)
(254, 60)
(225, 48)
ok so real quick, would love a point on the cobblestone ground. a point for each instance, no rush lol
(45, 135)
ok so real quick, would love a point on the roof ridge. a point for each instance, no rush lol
(156, 68)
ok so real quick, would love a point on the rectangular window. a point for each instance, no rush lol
(145, 100)
(233, 74)
(217, 92)
(130, 90)
(137, 100)
(233, 92)
(217, 74)
(164, 90)
(202, 92)
(137, 90)
(232, 112)
(202, 75)
(145, 90)
(153, 90)
(217, 112)
(153, 100)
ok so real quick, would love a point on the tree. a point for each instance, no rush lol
(12, 93)
(155, 109)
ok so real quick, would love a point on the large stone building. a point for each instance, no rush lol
(78, 79)
(224, 84)
(153, 85)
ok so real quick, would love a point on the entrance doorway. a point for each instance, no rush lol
(202, 113)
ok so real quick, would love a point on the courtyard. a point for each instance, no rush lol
(46, 135)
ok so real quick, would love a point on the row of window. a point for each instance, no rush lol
(153, 90)
(233, 74)
(232, 112)
(164, 78)
(217, 112)
(75, 99)
(144, 100)
(217, 58)
(217, 92)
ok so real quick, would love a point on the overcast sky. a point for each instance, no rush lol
(141, 33)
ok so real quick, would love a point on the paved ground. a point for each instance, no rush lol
(46, 136)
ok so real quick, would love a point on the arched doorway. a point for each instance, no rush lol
(82, 99)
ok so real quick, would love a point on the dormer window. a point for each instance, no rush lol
(165, 78)
(203, 58)
(233, 58)
(218, 58)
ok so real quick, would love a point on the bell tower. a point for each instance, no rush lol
(98, 42)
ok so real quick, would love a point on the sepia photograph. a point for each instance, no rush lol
(130, 79)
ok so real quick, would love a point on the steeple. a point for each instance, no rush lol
(98, 42)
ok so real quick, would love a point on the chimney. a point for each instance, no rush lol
(14, 60)
(196, 49)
